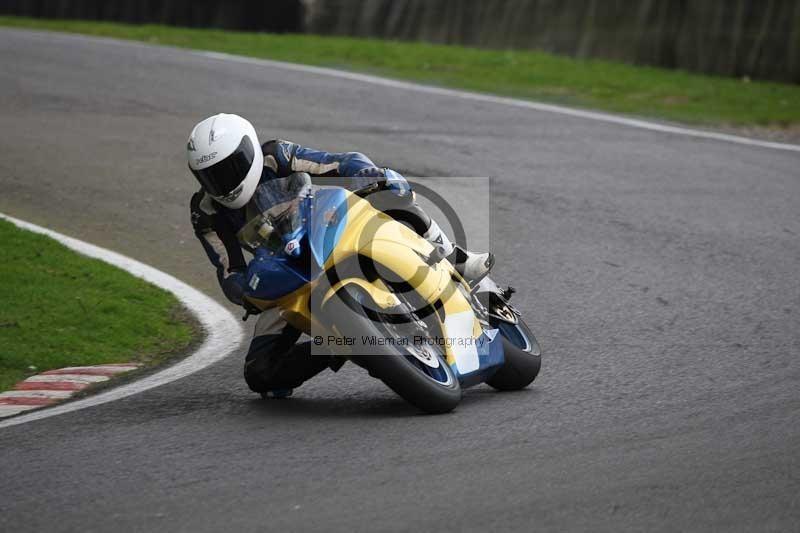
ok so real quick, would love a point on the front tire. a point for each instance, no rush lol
(412, 384)
(433, 391)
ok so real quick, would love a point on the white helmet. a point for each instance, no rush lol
(225, 157)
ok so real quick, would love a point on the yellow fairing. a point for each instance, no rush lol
(396, 250)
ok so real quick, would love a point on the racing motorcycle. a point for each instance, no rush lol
(372, 291)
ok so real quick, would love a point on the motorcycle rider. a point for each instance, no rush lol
(234, 170)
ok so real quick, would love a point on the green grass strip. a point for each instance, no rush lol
(605, 85)
(59, 308)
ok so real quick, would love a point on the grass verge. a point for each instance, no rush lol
(605, 85)
(63, 309)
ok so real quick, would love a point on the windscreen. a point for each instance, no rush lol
(278, 191)
(279, 202)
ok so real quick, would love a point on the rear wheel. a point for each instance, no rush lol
(523, 357)
(416, 371)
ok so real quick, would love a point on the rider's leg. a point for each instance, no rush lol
(275, 364)
(403, 207)
(474, 266)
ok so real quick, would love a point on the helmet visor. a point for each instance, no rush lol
(223, 177)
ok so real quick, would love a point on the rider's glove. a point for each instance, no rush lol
(396, 183)
(233, 286)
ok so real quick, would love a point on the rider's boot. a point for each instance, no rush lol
(472, 266)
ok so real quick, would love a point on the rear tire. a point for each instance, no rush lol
(518, 371)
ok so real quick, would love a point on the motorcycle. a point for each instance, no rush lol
(370, 290)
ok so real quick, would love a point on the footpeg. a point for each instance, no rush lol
(506, 294)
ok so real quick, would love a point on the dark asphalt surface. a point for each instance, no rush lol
(660, 272)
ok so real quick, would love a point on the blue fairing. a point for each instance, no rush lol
(273, 274)
(490, 356)
(328, 220)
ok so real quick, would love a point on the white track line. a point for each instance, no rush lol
(58, 394)
(223, 331)
(417, 87)
(115, 369)
(501, 100)
(8, 410)
(72, 378)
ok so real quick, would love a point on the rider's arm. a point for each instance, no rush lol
(286, 157)
(221, 246)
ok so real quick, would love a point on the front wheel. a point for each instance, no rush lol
(434, 395)
(418, 373)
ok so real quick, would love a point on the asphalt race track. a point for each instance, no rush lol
(660, 272)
